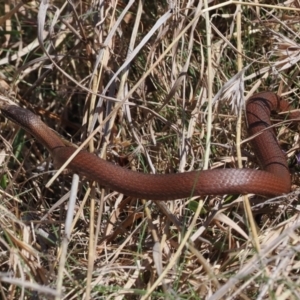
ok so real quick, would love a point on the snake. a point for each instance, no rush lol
(272, 179)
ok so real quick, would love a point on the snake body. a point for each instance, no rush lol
(273, 180)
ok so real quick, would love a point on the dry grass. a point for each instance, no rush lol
(166, 81)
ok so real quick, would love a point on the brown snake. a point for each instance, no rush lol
(274, 180)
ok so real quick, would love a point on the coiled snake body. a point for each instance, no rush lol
(273, 180)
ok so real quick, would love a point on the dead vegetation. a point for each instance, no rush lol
(158, 87)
